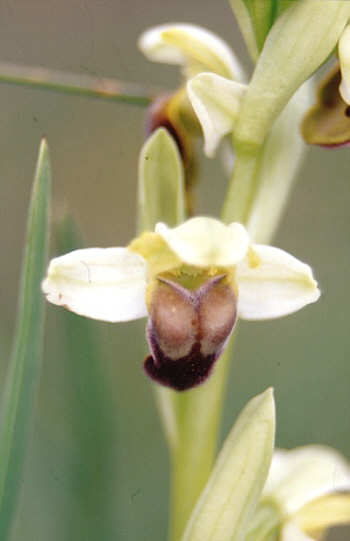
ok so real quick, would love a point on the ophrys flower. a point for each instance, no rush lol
(192, 282)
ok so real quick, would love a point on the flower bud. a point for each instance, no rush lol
(188, 329)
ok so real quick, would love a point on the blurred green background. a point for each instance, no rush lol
(94, 150)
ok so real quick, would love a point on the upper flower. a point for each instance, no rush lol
(192, 281)
(216, 91)
(307, 492)
(299, 42)
(193, 48)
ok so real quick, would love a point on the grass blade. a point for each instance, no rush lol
(24, 368)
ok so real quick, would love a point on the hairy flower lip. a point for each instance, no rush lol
(184, 374)
(187, 330)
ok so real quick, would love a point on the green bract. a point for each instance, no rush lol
(227, 504)
(161, 182)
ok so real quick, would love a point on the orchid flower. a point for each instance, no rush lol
(192, 282)
(307, 492)
(199, 51)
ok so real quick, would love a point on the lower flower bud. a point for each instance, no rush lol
(187, 330)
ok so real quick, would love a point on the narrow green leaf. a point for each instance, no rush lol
(24, 368)
(161, 182)
(225, 508)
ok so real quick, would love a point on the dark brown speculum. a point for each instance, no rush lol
(187, 330)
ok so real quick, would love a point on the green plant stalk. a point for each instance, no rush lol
(90, 86)
(240, 195)
(191, 421)
(24, 368)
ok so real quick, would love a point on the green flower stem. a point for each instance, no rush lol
(191, 420)
(263, 175)
(241, 189)
(89, 86)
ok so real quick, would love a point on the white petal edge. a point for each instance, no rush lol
(291, 532)
(279, 285)
(189, 45)
(301, 475)
(206, 242)
(101, 283)
(344, 59)
(216, 102)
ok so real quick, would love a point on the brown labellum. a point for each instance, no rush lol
(187, 331)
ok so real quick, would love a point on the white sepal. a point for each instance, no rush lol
(279, 285)
(102, 283)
